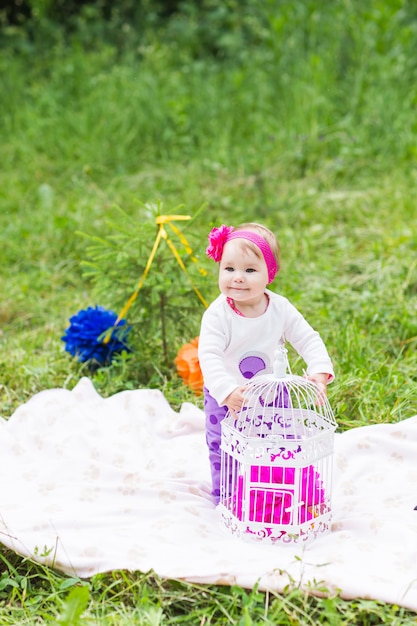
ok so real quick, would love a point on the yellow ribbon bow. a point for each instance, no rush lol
(161, 221)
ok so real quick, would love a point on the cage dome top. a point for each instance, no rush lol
(288, 407)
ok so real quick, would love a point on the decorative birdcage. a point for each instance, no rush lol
(276, 460)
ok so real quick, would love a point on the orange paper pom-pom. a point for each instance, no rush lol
(188, 366)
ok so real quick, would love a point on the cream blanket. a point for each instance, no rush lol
(89, 484)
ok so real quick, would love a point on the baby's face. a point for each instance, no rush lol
(243, 276)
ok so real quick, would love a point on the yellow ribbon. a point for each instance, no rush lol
(161, 220)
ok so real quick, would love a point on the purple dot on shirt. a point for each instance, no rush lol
(213, 419)
(216, 466)
(251, 365)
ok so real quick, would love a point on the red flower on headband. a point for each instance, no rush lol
(217, 238)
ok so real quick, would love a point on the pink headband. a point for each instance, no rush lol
(218, 237)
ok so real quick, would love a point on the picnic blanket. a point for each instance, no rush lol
(91, 484)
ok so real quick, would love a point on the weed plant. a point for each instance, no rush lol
(301, 116)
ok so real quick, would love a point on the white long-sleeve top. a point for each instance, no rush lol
(232, 348)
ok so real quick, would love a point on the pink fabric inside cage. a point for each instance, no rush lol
(275, 502)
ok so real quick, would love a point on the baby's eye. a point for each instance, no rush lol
(250, 270)
(229, 268)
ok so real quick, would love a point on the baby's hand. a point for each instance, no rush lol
(235, 401)
(321, 382)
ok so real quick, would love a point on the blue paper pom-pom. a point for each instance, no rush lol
(84, 338)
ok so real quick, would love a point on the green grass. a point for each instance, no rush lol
(308, 126)
(31, 594)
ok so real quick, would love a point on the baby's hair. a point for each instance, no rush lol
(264, 232)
